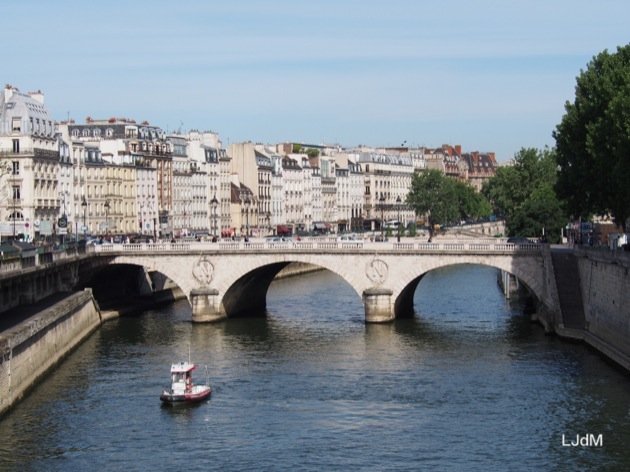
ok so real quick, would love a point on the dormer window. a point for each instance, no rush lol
(16, 121)
(109, 132)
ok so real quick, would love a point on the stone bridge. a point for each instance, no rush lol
(228, 279)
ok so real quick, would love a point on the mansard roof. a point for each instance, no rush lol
(379, 158)
(480, 162)
(24, 113)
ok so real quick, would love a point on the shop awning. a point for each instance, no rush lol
(319, 225)
(281, 229)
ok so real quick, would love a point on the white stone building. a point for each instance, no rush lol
(30, 200)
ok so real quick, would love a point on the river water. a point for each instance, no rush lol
(468, 384)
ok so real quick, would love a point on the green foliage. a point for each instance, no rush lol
(444, 200)
(593, 140)
(312, 152)
(297, 148)
(523, 195)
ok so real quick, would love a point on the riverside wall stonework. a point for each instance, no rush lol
(606, 295)
(32, 348)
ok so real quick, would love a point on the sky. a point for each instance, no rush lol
(489, 75)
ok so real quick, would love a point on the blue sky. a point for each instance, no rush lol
(491, 75)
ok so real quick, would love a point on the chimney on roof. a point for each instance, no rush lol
(37, 96)
(458, 149)
(8, 92)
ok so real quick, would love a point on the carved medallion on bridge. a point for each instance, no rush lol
(377, 271)
(203, 271)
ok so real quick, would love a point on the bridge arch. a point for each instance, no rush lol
(404, 294)
(246, 291)
(224, 283)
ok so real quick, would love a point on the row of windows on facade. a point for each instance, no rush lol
(36, 126)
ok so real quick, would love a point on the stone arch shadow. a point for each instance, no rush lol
(246, 295)
(155, 276)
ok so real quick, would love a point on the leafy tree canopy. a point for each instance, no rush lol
(443, 199)
(593, 140)
(523, 194)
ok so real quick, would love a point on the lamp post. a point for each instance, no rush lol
(248, 202)
(382, 201)
(84, 205)
(214, 203)
(63, 221)
(14, 210)
(398, 202)
(107, 216)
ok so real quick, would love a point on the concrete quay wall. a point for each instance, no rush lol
(31, 349)
(606, 294)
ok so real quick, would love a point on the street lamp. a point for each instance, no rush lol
(63, 221)
(214, 203)
(106, 216)
(398, 202)
(248, 202)
(84, 205)
(15, 195)
(382, 201)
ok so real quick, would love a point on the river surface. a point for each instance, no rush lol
(468, 384)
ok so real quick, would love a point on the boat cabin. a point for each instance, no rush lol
(181, 378)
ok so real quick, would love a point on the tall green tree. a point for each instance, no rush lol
(593, 140)
(523, 195)
(443, 199)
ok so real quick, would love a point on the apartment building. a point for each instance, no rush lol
(30, 200)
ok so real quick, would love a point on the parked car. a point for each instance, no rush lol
(278, 239)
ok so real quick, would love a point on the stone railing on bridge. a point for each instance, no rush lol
(490, 245)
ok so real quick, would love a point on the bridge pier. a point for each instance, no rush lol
(377, 302)
(206, 305)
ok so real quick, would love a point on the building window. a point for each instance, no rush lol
(16, 123)
(16, 146)
(16, 193)
(16, 167)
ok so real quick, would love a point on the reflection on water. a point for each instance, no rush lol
(468, 384)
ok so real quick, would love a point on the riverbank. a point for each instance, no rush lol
(37, 343)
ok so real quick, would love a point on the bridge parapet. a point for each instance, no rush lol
(490, 246)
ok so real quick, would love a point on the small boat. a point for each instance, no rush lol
(182, 387)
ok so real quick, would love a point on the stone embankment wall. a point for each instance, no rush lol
(606, 294)
(30, 349)
(297, 268)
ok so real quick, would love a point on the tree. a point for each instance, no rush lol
(443, 199)
(593, 140)
(523, 195)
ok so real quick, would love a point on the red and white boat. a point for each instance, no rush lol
(182, 387)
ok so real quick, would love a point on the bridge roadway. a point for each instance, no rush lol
(231, 278)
